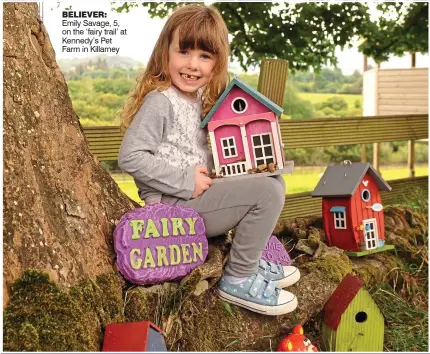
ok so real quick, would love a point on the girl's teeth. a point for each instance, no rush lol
(185, 76)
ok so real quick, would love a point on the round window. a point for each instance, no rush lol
(361, 317)
(239, 105)
(365, 195)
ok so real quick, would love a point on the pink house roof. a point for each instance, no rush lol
(249, 90)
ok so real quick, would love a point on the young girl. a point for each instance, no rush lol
(166, 152)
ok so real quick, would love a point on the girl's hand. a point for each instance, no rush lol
(202, 181)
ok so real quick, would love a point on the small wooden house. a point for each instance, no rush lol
(395, 91)
(244, 131)
(351, 207)
(352, 322)
(141, 336)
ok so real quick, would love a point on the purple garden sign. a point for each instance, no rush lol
(275, 252)
(160, 243)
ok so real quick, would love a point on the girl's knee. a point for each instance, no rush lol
(271, 188)
(281, 181)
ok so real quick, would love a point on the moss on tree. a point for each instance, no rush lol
(42, 316)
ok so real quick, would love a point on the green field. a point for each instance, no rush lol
(303, 179)
(321, 97)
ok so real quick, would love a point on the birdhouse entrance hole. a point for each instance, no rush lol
(361, 317)
(239, 105)
(365, 195)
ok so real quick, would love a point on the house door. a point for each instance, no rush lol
(370, 233)
(263, 149)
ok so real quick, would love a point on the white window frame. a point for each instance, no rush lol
(262, 146)
(228, 147)
(338, 219)
(366, 233)
(244, 100)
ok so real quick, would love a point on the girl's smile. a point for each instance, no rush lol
(189, 69)
(189, 77)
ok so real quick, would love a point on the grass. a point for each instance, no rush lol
(406, 328)
(322, 97)
(303, 179)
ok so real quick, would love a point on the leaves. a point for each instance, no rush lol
(402, 27)
(307, 34)
(228, 308)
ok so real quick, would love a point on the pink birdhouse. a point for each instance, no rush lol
(244, 132)
(351, 208)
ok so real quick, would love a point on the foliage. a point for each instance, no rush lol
(402, 27)
(307, 34)
(335, 103)
(294, 106)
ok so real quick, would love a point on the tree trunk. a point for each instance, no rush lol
(60, 206)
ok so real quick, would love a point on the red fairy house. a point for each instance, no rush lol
(244, 131)
(351, 208)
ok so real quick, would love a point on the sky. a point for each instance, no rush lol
(142, 34)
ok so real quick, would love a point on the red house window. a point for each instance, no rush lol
(339, 217)
(339, 220)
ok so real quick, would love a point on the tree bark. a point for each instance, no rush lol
(60, 206)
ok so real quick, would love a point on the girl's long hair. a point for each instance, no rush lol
(200, 27)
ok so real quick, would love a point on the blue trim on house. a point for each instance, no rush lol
(337, 209)
(250, 91)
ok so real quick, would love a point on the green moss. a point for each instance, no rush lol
(370, 274)
(226, 328)
(153, 304)
(331, 267)
(44, 317)
(314, 238)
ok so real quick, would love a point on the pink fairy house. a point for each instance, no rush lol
(244, 132)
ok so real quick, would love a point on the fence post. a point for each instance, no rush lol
(376, 145)
(272, 79)
(411, 143)
(364, 146)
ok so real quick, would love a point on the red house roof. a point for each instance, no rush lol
(340, 300)
(343, 180)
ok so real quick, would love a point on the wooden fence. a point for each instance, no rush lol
(104, 143)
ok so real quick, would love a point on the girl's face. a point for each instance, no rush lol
(189, 69)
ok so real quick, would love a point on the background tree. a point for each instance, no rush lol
(401, 28)
(307, 34)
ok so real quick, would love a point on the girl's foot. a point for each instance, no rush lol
(282, 275)
(259, 295)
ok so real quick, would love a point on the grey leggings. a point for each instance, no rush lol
(253, 205)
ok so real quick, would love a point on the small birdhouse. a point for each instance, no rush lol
(352, 322)
(244, 133)
(351, 208)
(134, 337)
